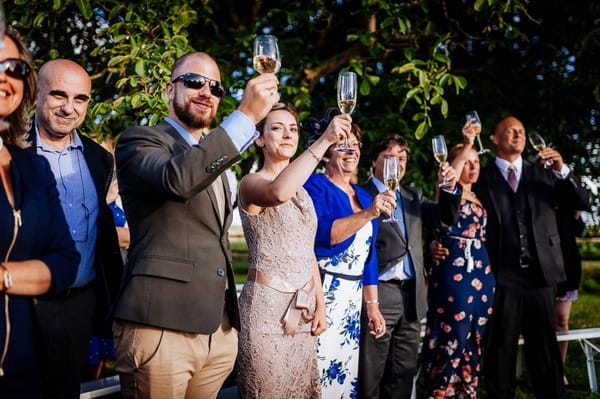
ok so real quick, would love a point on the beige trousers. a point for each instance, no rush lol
(166, 364)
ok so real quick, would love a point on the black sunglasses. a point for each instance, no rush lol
(197, 81)
(15, 68)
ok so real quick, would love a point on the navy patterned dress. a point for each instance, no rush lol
(461, 290)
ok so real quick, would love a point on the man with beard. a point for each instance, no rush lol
(83, 171)
(177, 315)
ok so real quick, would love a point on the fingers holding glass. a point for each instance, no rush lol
(346, 98)
(539, 144)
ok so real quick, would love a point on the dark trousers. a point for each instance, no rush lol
(530, 311)
(387, 365)
(66, 328)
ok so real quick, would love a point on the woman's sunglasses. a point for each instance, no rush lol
(15, 68)
(197, 81)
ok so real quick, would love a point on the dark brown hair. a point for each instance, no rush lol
(386, 141)
(260, 127)
(19, 120)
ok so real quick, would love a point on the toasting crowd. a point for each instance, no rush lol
(338, 281)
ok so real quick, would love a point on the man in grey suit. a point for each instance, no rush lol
(387, 365)
(177, 306)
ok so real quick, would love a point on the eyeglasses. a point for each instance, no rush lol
(15, 68)
(197, 81)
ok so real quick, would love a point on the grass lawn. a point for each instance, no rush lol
(584, 314)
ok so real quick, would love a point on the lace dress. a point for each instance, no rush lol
(338, 345)
(272, 364)
(461, 294)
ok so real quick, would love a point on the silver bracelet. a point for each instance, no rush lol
(313, 154)
(370, 301)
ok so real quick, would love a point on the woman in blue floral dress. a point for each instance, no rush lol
(461, 293)
(347, 225)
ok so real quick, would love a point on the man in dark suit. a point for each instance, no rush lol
(524, 248)
(174, 318)
(83, 172)
(388, 364)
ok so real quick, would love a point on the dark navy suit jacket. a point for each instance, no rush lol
(43, 234)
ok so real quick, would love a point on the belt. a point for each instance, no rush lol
(298, 307)
(71, 292)
(406, 283)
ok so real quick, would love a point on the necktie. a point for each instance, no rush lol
(512, 178)
(408, 268)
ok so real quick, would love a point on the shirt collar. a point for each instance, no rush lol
(191, 140)
(379, 184)
(503, 165)
(75, 143)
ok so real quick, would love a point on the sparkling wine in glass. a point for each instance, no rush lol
(346, 99)
(538, 143)
(391, 179)
(266, 54)
(472, 117)
(440, 153)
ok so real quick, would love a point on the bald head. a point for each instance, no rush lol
(63, 96)
(182, 65)
(509, 137)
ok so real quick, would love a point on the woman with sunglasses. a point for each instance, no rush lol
(281, 306)
(37, 254)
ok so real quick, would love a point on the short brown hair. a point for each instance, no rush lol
(19, 120)
(386, 141)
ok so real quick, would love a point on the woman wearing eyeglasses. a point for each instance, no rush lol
(37, 254)
(345, 249)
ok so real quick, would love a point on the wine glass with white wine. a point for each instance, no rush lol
(473, 118)
(266, 54)
(440, 153)
(538, 143)
(346, 99)
(391, 179)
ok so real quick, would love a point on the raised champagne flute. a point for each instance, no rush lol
(266, 54)
(440, 153)
(346, 99)
(391, 179)
(473, 118)
(538, 143)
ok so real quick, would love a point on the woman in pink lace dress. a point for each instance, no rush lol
(281, 305)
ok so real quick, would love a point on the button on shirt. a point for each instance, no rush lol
(78, 199)
(404, 269)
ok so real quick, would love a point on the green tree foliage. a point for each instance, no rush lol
(421, 63)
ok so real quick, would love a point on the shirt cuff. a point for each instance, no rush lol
(240, 130)
(562, 173)
(456, 191)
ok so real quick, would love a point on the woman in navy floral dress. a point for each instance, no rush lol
(461, 290)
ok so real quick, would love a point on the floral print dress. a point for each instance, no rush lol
(337, 349)
(461, 290)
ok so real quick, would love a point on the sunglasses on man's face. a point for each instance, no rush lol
(197, 81)
(15, 68)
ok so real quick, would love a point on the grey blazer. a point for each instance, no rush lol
(418, 211)
(179, 259)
